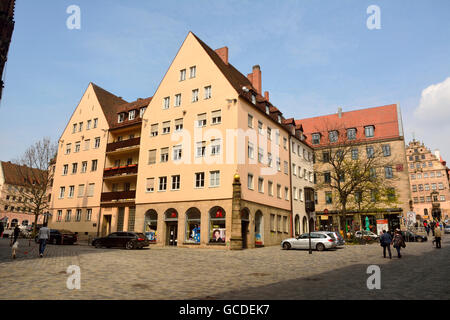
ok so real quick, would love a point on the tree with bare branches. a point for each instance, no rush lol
(356, 173)
(33, 174)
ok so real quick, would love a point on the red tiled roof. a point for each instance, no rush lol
(109, 103)
(135, 105)
(15, 174)
(384, 119)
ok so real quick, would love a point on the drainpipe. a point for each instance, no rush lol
(291, 187)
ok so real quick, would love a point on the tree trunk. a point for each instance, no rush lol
(35, 223)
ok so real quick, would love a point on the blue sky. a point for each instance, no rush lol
(315, 56)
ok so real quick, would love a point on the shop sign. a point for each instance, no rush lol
(323, 217)
(382, 224)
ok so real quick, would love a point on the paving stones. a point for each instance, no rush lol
(264, 273)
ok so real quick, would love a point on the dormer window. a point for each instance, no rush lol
(369, 131)
(351, 134)
(121, 117)
(132, 115)
(315, 138)
(267, 109)
(279, 118)
(253, 99)
(141, 112)
(333, 136)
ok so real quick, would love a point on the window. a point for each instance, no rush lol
(441, 186)
(267, 109)
(177, 100)
(80, 127)
(269, 160)
(369, 131)
(284, 143)
(260, 128)
(121, 117)
(201, 149)
(80, 190)
(142, 111)
(201, 120)
(94, 165)
(250, 121)
(71, 191)
(68, 215)
(62, 190)
(154, 130)
(214, 178)
(286, 167)
(316, 138)
(420, 187)
(261, 185)
(279, 118)
(272, 222)
(74, 129)
(77, 146)
(260, 155)
(327, 177)
(300, 194)
(422, 199)
(97, 143)
(193, 72)
(178, 125)
(88, 214)
(250, 181)
(215, 147)
(90, 192)
(250, 150)
(326, 157)
(162, 183)
(442, 198)
(177, 152)
(277, 138)
(195, 95)
(74, 168)
(328, 197)
(164, 155)
(351, 134)
(87, 144)
(391, 194)
(68, 148)
(166, 103)
(208, 92)
(78, 215)
(427, 187)
(152, 156)
(132, 115)
(217, 231)
(150, 185)
(183, 75)
(59, 216)
(270, 188)
(278, 164)
(433, 186)
(414, 187)
(388, 172)
(286, 193)
(278, 191)
(333, 136)
(294, 169)
(176, 182)
(216, 117)
(386, 150)
(65, 169)
(95, 123)
(166, 127)
(294, 191)
(370, 152)
(200, 180)
(269, 133)
(355, 154)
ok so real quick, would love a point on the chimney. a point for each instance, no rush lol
(257, 79)
(339, 112)
(266, 95)
(223, 54)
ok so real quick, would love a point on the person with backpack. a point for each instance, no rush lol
(398, 242)
(385, 241)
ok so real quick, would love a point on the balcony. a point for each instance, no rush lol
(118, 196)
(122, 171)
(129, 144)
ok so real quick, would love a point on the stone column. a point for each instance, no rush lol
(236, 224)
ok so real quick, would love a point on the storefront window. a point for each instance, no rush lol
(151, 225)
(193, 225)
(217, 225)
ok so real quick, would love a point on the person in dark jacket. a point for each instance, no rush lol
(1, 229)
(385, 241)
(398, 242)
(16, 233)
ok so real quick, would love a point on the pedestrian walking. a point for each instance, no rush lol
(432, 227)
(44, 236)
(398, 242)
(385, 241)
(427, 228)
(14, 242)
(437, 237)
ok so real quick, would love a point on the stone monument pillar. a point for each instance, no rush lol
(236, 223)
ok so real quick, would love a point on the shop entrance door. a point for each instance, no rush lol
(106, 225)
(172, 233)
(244, 233)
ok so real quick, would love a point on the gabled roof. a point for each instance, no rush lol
(238, 80)
(135, 105)
(109, 103)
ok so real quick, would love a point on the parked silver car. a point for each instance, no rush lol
(339, 239)
(447, 229)
(319, 241)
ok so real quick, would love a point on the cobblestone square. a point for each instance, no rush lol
(265, 273)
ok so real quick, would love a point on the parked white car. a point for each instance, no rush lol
(368, 234)
(319, 241)
(447, 229)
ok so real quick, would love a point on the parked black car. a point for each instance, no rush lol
(60, 237)
(413, 237)
(127, 240)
